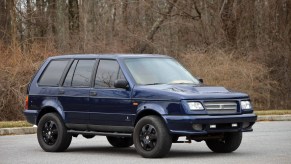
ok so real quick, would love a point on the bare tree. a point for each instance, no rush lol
(7, 21)
(157, 25)
(61, 28)
(73, 18)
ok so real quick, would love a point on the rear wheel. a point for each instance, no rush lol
(229, 143)
(52, 134)
(151, 137)
(120, 141)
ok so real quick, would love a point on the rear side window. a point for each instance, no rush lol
(53, 73)
(108, 71)
(82, 73)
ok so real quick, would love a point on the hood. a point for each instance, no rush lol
(184, 91)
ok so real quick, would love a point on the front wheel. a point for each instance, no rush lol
(229, 143)
(52, 134)
(151, 137)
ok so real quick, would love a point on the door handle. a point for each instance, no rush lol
(61, 92)
(93, 93)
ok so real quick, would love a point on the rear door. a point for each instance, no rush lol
(108, 105)
(74, 93)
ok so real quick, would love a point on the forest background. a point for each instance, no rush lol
(243, 45)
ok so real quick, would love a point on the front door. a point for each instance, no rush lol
(108, 105)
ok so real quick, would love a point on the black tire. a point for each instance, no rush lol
(228, 144)
(120, 141)
(151, 137)
(52, 134)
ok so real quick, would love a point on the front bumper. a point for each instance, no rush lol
(183, 124)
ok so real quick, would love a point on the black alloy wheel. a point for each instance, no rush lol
(50, 132)
(148, 137)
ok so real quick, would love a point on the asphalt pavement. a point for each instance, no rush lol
(269, 143)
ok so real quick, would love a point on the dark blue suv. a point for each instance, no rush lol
(146, 100)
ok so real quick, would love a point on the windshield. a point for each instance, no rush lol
(151, 71)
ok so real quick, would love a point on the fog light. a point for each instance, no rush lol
(245, 125)
(234, 125)
(197, 126)
(212, 126)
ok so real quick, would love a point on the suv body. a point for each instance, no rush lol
(148, 100)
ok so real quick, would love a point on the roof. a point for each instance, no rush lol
(108, 56)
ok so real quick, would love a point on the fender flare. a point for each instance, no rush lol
(54, 104)
(150, 107)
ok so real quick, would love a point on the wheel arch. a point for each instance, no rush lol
(150, 109)
(50, 109)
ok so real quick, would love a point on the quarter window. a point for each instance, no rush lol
(53, 73)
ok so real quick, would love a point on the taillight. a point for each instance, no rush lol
(26, 103)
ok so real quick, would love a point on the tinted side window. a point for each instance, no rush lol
(53, 73)
(69, 77)
(108, 71)
(83, 72)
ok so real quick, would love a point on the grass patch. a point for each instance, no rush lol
(273, 112)
(12, 124)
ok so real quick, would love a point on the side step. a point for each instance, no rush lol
(101, 133)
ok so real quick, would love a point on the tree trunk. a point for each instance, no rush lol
(40, 18)
(5, 20)
(28, 31)
(87, 24)
(74, 32)
(124, 4)
(13, 31)
(61, 28)
(73, 17)
(228, 21)
(52, 29)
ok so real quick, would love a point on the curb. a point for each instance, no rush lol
(17, 131)
(32, 130)
(274, 118)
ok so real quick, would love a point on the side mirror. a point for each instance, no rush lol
(200, 80)
(121, 83)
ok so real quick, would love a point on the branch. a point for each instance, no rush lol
(157, 25)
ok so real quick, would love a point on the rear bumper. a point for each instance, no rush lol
(183, 125)
(31, 116)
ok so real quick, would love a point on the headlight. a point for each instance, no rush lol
(245, 105)
(195, 106)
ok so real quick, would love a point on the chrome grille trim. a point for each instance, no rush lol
(222, 107)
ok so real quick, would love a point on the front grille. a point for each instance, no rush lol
(221, 107)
